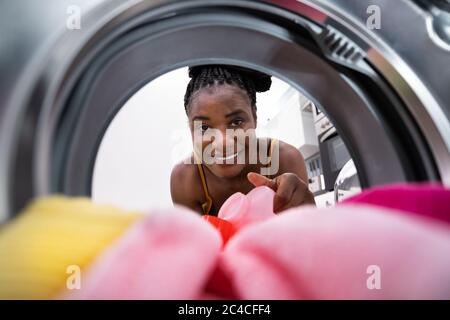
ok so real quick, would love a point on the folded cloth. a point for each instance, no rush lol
(429, 200)
(174, 254)
(347, 252)
(353, 251)
(169, 255)
(242, 210)
(52, 240)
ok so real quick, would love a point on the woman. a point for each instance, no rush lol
(221, 99)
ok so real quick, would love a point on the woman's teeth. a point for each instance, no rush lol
(227, 158)
(234, 155)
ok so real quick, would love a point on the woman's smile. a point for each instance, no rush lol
(220, 157)
(227, 158)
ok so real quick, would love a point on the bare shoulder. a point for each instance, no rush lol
(291, 160)
(184, 184)
(289, 152)
(183, 171)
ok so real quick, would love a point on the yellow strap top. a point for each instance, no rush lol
(207, 205)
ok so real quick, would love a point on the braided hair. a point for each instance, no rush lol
(250, 81)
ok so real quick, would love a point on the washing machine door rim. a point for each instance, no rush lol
(54, 162)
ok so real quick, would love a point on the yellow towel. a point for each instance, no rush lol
(39, 248)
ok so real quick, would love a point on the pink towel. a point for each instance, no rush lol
(242, 210)
(331, 254)
(169, 255)
(346, 252)
(425, 199)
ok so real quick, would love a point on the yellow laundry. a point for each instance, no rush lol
(52, 234)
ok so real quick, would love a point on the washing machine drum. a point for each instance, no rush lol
(380, 72)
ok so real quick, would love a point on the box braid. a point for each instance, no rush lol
(250, 81)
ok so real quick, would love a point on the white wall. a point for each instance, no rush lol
(150, 134)
(135, 158)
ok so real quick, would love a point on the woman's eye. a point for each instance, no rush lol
(237, 122)
(201, 127)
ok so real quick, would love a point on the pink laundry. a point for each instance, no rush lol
(303, 253)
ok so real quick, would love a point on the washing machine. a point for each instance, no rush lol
(378, 69)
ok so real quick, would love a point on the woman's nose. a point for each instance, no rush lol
(225, 144)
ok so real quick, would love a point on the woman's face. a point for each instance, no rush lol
(222, 124)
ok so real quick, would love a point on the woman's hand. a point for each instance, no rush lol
(290, 190)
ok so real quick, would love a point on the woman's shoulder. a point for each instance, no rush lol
(288, 157)
(184, 171)
(289, 151)
(286, 150)
(185, 185)
(290, 160)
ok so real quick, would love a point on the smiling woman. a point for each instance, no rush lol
(223, 98)
(60, 93)
(133, 169)
(131, 105)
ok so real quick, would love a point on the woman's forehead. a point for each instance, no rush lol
(221, 98)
